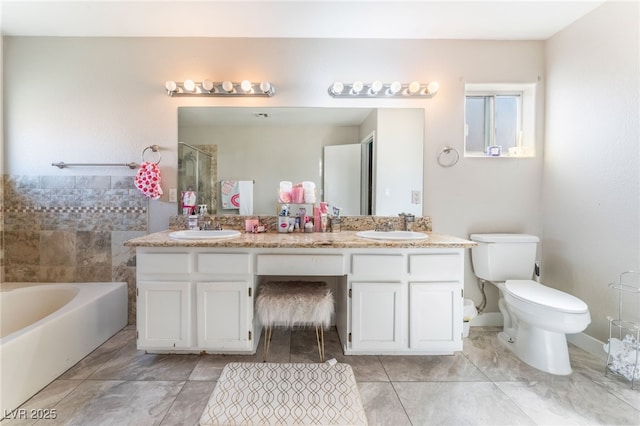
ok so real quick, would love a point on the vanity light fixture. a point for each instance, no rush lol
(394, 88)
(222, 88)
(189, 86)
(207, 85)
(336, 89)
(377, 89)
(227, 86)
(356, 87)
(246, 86)
(414, 87)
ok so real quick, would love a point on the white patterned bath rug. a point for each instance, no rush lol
(285, 394)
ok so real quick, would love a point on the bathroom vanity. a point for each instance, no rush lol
(392, 297)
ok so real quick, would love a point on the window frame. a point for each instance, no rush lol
(525, 117)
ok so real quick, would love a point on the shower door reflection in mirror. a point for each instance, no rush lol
(196, 173)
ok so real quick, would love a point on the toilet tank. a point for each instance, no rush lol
(501, 257)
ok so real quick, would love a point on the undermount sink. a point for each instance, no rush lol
(207, 234)
(392, 235)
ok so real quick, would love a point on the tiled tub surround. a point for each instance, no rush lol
(72, 229)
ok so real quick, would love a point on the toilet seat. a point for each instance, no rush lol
(529, 291)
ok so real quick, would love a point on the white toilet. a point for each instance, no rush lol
(536, 318)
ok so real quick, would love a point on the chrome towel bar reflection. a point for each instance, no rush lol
(63, 165)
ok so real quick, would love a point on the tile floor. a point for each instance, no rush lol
(482, 385)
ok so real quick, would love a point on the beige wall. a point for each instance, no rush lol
(590, 208)
(102, 99)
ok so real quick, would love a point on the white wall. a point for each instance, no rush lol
(590, 208)
(103, 99)
(1, 110)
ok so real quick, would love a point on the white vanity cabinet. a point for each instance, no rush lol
(195, 300)
(223, 312)
(378, 313)
(163, 318)
(404, 301)
(389, 300)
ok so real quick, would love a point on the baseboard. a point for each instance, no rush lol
(492, 319)
(589, 344)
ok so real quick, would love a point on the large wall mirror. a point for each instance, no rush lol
(368, 161)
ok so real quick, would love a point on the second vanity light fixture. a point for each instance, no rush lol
(378, 89)
(222, 88)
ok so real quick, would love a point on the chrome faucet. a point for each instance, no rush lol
(407, 221)
(387, 227)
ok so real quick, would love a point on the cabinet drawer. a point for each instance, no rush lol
(223, 263)
(377, 264)
(163, 263)
(300, 264)
(444, 266)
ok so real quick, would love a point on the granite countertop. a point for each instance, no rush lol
(344, 239)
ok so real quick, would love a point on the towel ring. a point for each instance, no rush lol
(445, 152)
(153, 148)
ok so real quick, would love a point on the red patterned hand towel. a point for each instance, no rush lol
(148, 180)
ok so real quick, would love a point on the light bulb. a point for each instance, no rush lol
(356, 87)
(227, 86)
(207, 85)
(337, 88)
(433, 87)
(265, 86)
(376, 86)
(395, 87)
(245, 86)
(171, 86)
(189, 85)
(414, 87)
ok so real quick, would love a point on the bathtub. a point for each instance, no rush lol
(47, 328)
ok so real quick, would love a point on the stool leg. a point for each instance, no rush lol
(267, 342)
(320, 340)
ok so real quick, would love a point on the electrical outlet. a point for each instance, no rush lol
(415, 197)
(173, 195)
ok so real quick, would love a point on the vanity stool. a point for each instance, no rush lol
(291, 303)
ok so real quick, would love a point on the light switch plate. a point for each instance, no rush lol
(173, 195)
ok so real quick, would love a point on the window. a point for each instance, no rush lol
(499, 120)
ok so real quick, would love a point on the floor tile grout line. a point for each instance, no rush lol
(404, 410)
(476, 366)
(515, 403)
(616, 394)
(184, 384)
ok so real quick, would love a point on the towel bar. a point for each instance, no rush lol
(62, 165)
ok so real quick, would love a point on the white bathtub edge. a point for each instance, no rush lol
(59, 341)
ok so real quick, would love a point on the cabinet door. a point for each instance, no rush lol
(223, 315)
(435, 315)
(379, 315)
(164, 314)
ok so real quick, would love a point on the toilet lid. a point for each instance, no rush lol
(533, 292)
